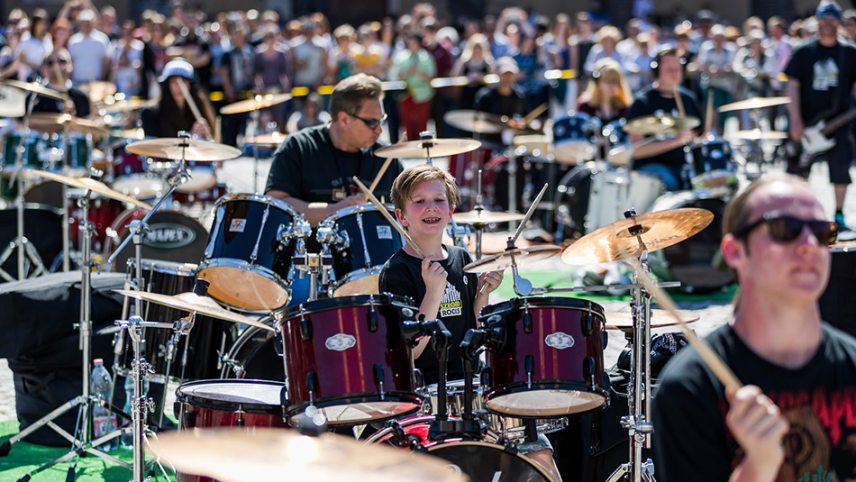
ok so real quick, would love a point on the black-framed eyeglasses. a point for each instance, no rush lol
(370, 123)
(786, 229)
(50, 62)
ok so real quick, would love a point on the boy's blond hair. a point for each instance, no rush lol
(412, 177)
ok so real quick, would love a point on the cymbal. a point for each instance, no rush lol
(137, 134)
(52, 123)
(203, 305)
(659, 124)
(274, 139)
(486, 217)
(755, 103)
(621, 320)
(428, 148)
(659, 230)
(86, 183)
(759, 135)
(98, 90)
(256, 103)
(521, 256)
(129, 105)
(241, 455)
(536, 144)
(38, 89)
(475, 121)
(12, 102)
(188, 149)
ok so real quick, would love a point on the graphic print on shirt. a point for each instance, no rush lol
(825, 75)
(451, 304)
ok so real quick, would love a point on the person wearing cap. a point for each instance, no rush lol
(821, 74)
(173, 112)
(503, 98)
(90, 50)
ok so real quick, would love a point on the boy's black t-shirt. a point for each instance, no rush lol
(691, 439)
(402, 275)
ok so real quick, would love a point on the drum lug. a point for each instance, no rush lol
(239, 422)
(372, 315)
(588, 370)
(529, 365)
(527, 320)
(587, 323)
(285, 232)
(305, 326)
(484, 377)
(379, 378)
(312, 386)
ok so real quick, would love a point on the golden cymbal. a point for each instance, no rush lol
(274, 139)
(621, 320)
(520, 256)
(256, 103)
(244, 455)
(98, 90)
(755, 103)
(86, 183)
(536, 144)
(12, 102)
(660, 124)
(182, 148)
(620, 239)
(428, 148)
(203, 305)
(129, 105)
(759, 135)
(137, 134)
(37, 88)
(475, 121)
(53, 123)
(486, 217)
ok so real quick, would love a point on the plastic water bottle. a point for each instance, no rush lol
(101, 386)
(128, 439)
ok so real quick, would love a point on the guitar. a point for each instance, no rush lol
(818, 137)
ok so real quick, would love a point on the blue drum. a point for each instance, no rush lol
(619, 150)
(714, 164)
(572, 138)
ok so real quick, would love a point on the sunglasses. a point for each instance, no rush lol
(786, 229)
(370, 123)
(50, 62)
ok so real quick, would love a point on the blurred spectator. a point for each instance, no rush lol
(606, 41)
(90, 50)
(475, 62)
(310, 115)
(271, 68)
(715, 64)
(310, 57)
(127, 61)
(35, 45)
(415, 66)
(236, 73)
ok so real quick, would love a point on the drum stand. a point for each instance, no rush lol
(318, 265)
(82, 442)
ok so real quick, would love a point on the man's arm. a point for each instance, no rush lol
(796, 122)
(314, 212)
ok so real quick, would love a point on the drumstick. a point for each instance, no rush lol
(380, 174)
(716, 365)
(380, 207)
(680, 102)
(190, 102)
(535, 113)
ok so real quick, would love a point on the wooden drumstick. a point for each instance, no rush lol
(535, 113)
(680, 102)
(190, 102)
(380, 207)
(380, 174)
(722, 372)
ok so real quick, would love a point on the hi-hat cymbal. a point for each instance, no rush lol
(755, 103)
(520, 256)
(621, 239)
(37, 88)
(274, 139)
(203, 305)
(759, 135)
(482, 217)
(428, 148)
(52, 123)
(256, 103)
(182, 148)
(129, 105)
(475, 121)
(98, 90)
(622, 320)
(86, 183)
(243, 455)
(660, 124)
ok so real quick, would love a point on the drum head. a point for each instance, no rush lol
(483, 461)
(248, 395)
(172, 236)
(546, 403)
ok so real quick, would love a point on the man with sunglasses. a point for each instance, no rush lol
(312, 169)
(56, 68)
(794, 417)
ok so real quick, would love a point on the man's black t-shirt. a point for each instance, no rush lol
(308, 167)
(691, 440)
(402, 275)
(489, 99)
(826, 76)
(650, 102)
(78, 98)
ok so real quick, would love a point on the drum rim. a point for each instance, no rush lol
(259, 198)
(165, 267)
(357, 274)
(542, 302)
(292, 410)
(346, 302)
(243, 265)
(351, 210)
(38, 207)
(492, 392)
(182, 397)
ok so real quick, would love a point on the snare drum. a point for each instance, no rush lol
(480, 460)
(348, 357)
(172, 236)
(249, 252)
(572, 138)
(714, 164)
(550, 363)
(360, 240)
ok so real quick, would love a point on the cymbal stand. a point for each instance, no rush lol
(254, 122)
(479, 207)
(427, 138)
(522, 286)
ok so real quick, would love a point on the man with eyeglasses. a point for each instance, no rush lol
(794, 417)
(56, 68)
(312, 169)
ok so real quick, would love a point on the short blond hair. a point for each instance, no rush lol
(414, 176)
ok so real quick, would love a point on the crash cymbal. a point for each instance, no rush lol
(657, 230)
(137, 134)
(621, 320)
(755, 103)
(256, 103)
(759, 135)
(521, 256)
(474, 121)
(37, 88)
(129, 105)
(98, 90)
(52, 123)
(203, 305)
(243, 455)
(483, 217)
(12, 102)
(274, 139)
(182, 148)
(86, 183)
(428, 148)
(660, 124)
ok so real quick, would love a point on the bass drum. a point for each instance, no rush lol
(172, 236)
(254, 356)
(696, 262)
